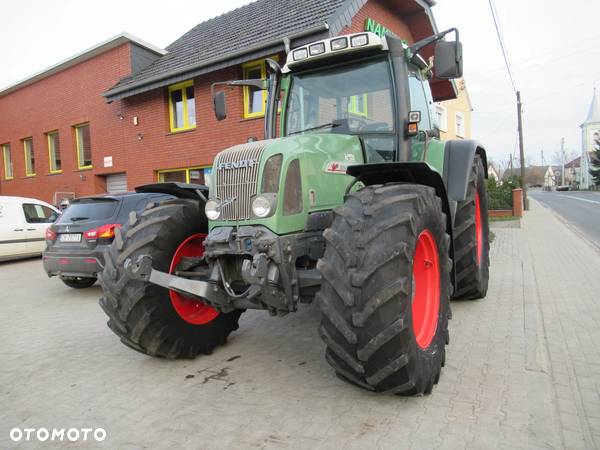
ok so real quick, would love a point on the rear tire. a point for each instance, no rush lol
(78, 282)
(471, 238)
(141, 313)
(370, 323)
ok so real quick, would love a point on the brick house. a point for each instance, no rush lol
(123, 123)
(55, 125)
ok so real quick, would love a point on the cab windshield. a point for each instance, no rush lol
(350, 99)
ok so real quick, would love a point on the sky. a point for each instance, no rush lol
(553, 48)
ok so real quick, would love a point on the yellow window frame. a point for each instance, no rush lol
(52, 152)
(180, 87)
(7, 158)
(181, 169)
(78, 144)
(29, 157)
(353, 106)
(247, 67)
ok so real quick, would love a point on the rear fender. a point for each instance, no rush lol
(407, 172)
(179, 190)
(458, 160)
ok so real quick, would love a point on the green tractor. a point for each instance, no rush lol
(358, 206)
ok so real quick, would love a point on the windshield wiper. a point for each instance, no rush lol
(318, 127)
(76, 219)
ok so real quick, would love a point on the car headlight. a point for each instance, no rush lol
(261, 207)
(212, 209)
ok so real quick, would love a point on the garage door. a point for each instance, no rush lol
(116, 183)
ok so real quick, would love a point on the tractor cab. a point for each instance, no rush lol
(362, 85)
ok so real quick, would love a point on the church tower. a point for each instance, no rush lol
(590, 140)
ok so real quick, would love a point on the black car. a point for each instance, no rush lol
(75, 243)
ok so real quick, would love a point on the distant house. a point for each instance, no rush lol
(573, 172)
(493, 173)
(534, 175)
(453, 117)
(551, 177)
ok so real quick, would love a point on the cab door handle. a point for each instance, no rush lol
(30, 229)
(18, 229)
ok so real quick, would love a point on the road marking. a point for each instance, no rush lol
(580, 199)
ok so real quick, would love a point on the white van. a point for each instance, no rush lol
(23, 223)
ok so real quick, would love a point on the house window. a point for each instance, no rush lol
(194, 175)
(254, 99)
(460, 125)
(8, 165)
(29, 157)
(182, 107)
(357, 105)
(84, 146)
(441, 117)
(54, 152)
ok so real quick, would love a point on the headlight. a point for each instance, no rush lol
(261, 207)
(317, 49)
(212, 209)
(339, 44)
(359, 40)
(300, 54)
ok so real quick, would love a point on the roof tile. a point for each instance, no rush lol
(244, 27)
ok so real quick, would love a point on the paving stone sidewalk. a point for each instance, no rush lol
(523, 368)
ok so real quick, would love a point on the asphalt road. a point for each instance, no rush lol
(580, 208)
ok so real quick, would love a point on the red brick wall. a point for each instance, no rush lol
(381, 13)
(161, 149)
(58, 102)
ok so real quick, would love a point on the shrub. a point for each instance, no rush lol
(500, 195)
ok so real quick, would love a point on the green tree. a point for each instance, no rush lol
(595, 167)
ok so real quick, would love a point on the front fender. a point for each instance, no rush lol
(458, 160)
(407, 172)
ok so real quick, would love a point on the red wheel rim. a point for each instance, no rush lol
(426, 289)
(478, 228)
(191, 310)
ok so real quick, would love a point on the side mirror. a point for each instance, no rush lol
(219, 105)
(448, 62)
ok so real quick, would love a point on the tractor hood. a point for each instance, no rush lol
(298, 175)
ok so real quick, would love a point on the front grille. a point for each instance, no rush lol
(237, 185)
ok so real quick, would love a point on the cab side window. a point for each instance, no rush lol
(35, 213)
(419, 100)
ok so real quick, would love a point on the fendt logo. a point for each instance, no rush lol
(241, 164)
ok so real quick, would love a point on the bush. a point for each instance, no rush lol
(500, 195)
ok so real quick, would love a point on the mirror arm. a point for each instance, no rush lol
(418, 46)
(259, 84)
(274, 85)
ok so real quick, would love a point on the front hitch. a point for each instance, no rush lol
(141, 269)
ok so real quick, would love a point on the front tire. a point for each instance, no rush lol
(471, 238)
(147, 317)
(386, 289)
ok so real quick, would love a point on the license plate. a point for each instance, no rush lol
(70, 237)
